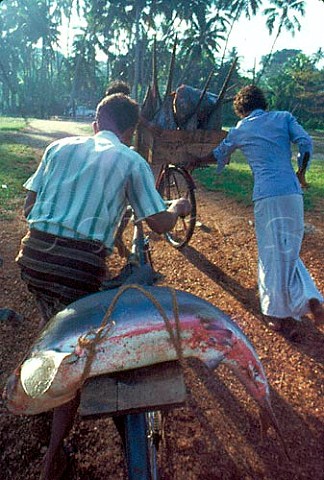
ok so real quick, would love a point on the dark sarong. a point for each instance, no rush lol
(59, 270)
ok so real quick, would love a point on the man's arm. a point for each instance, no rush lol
(191, 162)
(165, 221)
(301, 172)
(29, 202)
(219, 156)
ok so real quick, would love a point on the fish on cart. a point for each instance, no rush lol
(135, 336)
(189, 101)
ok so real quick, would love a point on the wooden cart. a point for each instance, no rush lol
(165, 150)
(160, 146)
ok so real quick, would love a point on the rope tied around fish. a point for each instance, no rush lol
(175, 336)
(107, 323)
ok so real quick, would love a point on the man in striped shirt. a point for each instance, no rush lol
(75, 202)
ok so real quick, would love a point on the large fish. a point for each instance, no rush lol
(189, 101)
(164, 117)
(84, 341)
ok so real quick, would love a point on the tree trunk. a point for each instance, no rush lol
(139, 7)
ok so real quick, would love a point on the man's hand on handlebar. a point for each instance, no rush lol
(190, 162)
(165, 221)
(181, 207)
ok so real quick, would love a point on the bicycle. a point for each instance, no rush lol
(175, 181)
(141, 455)
(142, 431)
(168, 149)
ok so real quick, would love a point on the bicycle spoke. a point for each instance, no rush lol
(175, 183)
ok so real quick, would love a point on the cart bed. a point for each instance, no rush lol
(160, 146)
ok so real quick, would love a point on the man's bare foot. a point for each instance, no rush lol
(273, 323)
(292, 330)
(317, 311)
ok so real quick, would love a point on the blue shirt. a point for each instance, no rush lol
(84, 184)
(265, 140)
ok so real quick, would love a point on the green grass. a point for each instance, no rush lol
(17, 163)
(11, 124)
(236, 181)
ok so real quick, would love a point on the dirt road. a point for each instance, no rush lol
(217, 435)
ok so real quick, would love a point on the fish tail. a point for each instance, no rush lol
(267, 420)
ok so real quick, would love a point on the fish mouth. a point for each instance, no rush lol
(38, 373)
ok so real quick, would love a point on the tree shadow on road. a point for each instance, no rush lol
(227, 412)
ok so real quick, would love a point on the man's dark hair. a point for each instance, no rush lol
(117, 110)
(118, 86)
(249, 98)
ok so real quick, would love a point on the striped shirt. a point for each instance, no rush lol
(84, 184)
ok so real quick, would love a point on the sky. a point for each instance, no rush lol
(252, 40)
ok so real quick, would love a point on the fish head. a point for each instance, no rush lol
(38, 372)
(27, 390)
(245, 363)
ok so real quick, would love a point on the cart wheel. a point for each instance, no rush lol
(173, 183)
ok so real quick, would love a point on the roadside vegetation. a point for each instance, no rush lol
(41, 76)
(236, 181)
(8, 124)
(18, 162)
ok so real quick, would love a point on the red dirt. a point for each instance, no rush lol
(217, 434)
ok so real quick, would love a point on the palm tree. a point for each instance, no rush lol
(284, 14)
(235, 10)
(203, 37)
(31, 33)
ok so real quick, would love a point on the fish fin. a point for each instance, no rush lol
(155, 88)
(171, 69)
(38, 372)
(147, 110)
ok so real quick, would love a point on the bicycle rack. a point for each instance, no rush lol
(128, 395)
(155, 387)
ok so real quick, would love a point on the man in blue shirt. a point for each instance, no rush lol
(287, 292)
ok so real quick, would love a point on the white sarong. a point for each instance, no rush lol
(285, 285)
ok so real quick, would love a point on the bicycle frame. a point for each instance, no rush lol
(135, 425)
(137, 453)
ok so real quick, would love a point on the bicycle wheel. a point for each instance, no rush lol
(173, 183)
